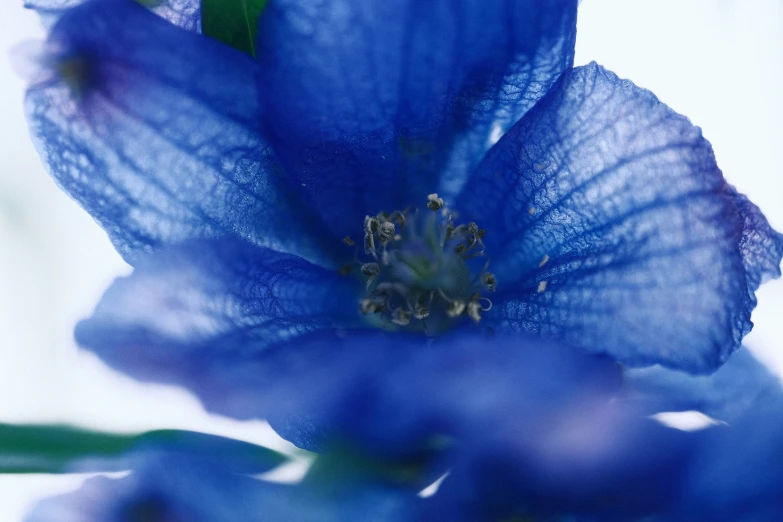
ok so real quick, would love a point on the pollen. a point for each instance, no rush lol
(423, 271)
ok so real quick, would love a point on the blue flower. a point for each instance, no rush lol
(555, 440)
(360, 173)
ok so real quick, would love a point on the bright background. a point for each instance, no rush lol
(718, 61)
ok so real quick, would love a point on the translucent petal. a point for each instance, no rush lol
(383, 97)
(154, 131)
(609, 224)
(182, 13)
(201, 314)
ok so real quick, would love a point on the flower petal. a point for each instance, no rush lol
(199, 314)
(600, 461)
(609, 224)
(165, 487)
(154, 131)
(738, 474)
(734, 389)
(394, 394)
(366, 103)
(182, 13)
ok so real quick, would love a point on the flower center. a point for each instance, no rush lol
(419, 269)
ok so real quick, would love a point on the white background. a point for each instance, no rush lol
(720, 62)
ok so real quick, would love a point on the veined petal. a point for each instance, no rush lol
(609, 224)
(366, 103)
(154, 131)
(734, 389)
(182, 13)
(200, 315)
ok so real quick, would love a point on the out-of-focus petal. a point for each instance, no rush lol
(154, 131)
(395, 395)
(525, 426)
(368, 103)
(182, 13)
(164, 488)
(737, 475)
(734, 389)
(200, 314)
(603, 461)
(610, 225)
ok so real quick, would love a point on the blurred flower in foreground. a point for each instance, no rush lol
(523, 428)
(166, 488)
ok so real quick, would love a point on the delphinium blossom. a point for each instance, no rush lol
(384, 174)
(340, 181)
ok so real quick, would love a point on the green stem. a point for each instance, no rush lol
(64, 449)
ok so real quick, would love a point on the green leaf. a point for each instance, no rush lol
(64, 449)
(234, 22)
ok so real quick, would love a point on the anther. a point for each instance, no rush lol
(421, 312)
(371, 269)
(474, 311)
(370, 225)
(401, 317)
(369, 244)
(372, 305)
(455, 308)
(434, 202)
(473, 228)
(489, 281)
(386, 231)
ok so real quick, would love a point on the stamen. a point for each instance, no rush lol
(434, 202)
(370, 225)
(420, 277)
(371, 270)
(474, 311)
(489, 281)
(386, 231)
(372, 305)
(369, 245)
(421, 313)
(401, 317)
(455, 308)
